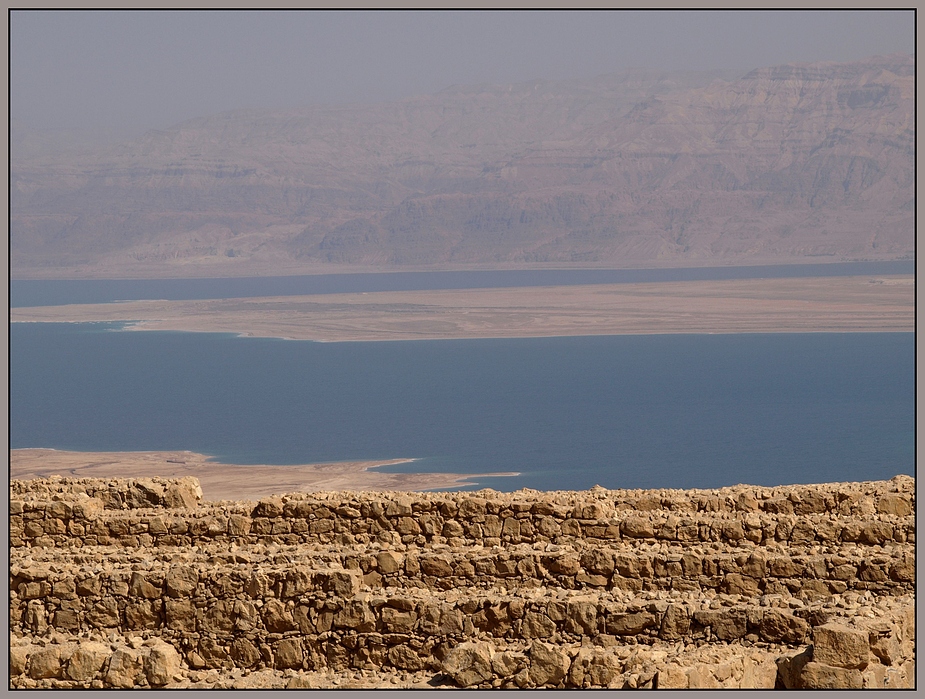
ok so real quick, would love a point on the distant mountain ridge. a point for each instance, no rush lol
(642, 168)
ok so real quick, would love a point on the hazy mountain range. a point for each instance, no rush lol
(790, 163)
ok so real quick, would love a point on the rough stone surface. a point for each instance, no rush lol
(840, 646)
(744, 587)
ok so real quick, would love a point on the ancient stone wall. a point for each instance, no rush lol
(141, 583)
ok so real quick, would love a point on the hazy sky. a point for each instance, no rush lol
(129, 71)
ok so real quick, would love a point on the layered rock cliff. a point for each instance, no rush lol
(786, 163)
(137, 583)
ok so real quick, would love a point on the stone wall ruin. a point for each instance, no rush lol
(141, 583)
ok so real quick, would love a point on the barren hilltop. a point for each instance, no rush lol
(783, 164)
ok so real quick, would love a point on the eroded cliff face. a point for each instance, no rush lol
(138, 583)
(787, 163)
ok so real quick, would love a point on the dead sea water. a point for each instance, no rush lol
(674, 411)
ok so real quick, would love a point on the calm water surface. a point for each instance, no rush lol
(629, 411)
(56, 292)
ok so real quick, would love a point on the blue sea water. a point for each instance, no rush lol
(674, 411)
(31, 292)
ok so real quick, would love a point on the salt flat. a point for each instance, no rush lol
(815, 304)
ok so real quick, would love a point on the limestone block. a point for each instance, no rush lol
(436, 566)
(126, 666)
(161, 662)
(343, 583)
(593, 667)
(840, 646)
(759, 672)
(700, 676)
(894, 504)
(817, 675)
(672, 677)
(19, 658)
(637, 527)
(289, 653)
(181, 581)
(48, 662)
(737, 584)
(537, 625)
(876, 533)
(549, 665)
(244, 652)
(903, 570)
(239, 525)
(180, 615)
(104, 614)
(143, 615)
(140, 587)
(582, 616)
(676, 623)
(398, 621)
(629, 624)
(389, 562)
(87, 509)
(218, 617)
(777, 626)
(508, 663)
(726, 624)
(356, 614)
(268, 507)
(468, 663)
(58, 510)
(887, 648)
(562, 565)
(874, 676)
(405, 658)
(276, 617)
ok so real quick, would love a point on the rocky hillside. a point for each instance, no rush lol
(788, 163)
(138, 583)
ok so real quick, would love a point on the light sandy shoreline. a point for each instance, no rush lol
(230, 481)
(811, 304)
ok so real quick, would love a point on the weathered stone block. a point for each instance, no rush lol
(895, 504)
(269, 507)
(180, 615)
(537, 625)
(629, 624)
(47, 662)
(549, 665)
(676, 623)
(436, 566)
(126, 666)
(405, 658)
(726, 624)
(468, 663)
(289, 653)
(736, 584)
(161, 662)
(637, 527)
(817, 675)
(276, 617)
(19, 658)
(181, 581)
(777, 626)
(841, 646)
(582, 617)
